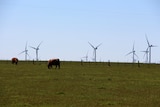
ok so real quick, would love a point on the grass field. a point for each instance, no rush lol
(76, 85)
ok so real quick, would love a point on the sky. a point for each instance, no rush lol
(66, 26)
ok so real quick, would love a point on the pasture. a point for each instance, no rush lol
(76, 85)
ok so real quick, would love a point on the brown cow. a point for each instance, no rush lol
(15, 61)
(55, 62)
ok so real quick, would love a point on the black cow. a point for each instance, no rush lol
(55, 62)
(15, 61)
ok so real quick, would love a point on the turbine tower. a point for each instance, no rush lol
(36, 48)
(94, 51)
(133, 52)
(25, 51)
(150, 49)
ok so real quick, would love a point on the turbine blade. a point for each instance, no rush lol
(28, 55)
(147, 40)
(143, 51)
(147, 50)
(136, 55)
(39, 45)
(26, 46)
(33, 47)
(21, 52)
(99, 45)
(144, 55)
(91, 45)
(129, 53)
(133, 47)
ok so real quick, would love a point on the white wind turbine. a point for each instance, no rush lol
(36, 48)
(133, 52)
(86, 57)
(94, 50)
(25, 51)
(146, 54)
(150, 49)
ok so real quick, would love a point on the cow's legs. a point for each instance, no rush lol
(59, 66)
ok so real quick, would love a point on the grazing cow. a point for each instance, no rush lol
(55, 62)
(15, 61)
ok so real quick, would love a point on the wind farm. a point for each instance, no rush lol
(146, 58)
(79, 53)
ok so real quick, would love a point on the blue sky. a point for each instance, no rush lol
(66, 27)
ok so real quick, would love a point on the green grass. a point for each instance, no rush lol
(76, 85)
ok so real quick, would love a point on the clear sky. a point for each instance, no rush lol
(66, 27)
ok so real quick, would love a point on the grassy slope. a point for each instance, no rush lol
(92, 85)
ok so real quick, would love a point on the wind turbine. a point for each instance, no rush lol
(150, 49)
(133, 52)
(146, 54)
(25, 51)
(94, 50)
(36, 48)
(86, 57)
